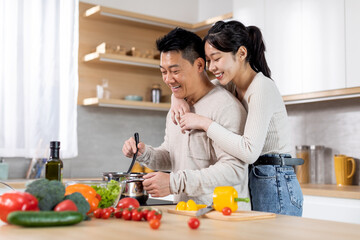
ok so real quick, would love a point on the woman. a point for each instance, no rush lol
(235, 55)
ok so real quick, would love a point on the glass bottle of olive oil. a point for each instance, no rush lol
(54, 166)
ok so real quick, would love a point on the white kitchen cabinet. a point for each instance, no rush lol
(352, 26)
(282, 37)
(323, 40)
(333, 209)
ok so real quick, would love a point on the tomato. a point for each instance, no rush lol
(97, 213)
(98, 197)
(66, 205)
(16, 201)
(153, 214)
(112, 210)
(154, 223)
(226, 211)
(194, 223)
(126, 214)
(105, 215)
(128, 203)
(136, 215)
(118, 213)
(145, 212)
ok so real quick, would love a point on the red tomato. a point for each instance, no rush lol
(98, 196)
(66, 205)
(145, 212)
(194, 223)
(153, 214)
(226, 211)
(154, 223)
(105, 215)
(128, 203)
(118, 213)
(97, 213)
(136, 215)
(112, 210)
(16, 201)
(126, 214)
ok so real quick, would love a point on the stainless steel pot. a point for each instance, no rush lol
(131, 184)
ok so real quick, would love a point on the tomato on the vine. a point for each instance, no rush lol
(97, 213)
(126, 214)
(105, 215)
(136, 214)
(144, 212)
(226, 211)
(118, 213)
(153, 214)
(154, 223)
(194, 223)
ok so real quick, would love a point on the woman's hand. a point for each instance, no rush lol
(129, 148)
(190, 121)
(178, 108)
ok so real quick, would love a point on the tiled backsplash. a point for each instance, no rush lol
(102, 132)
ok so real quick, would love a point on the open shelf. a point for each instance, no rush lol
(111, 14)
(121, 59)
(118, 103)
(322, 96)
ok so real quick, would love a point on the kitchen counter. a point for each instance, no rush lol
(331, 190)
(175, 227)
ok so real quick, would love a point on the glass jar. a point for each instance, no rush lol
(155, 93)
(303, 171)
(317, 156)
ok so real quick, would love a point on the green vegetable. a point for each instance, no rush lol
(108, 194)
(44, 218)
(48, 193)
(81, 203)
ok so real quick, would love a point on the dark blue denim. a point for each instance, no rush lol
(275, 188)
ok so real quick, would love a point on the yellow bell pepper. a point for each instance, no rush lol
(200, 206)
(191, 205)
(226, 196)
(181, 206)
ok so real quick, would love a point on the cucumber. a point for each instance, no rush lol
(44, 218)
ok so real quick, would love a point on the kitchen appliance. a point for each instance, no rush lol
(317, 164)
(131, 184)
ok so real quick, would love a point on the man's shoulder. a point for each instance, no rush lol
(223, 97)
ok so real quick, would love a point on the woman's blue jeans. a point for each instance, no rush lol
(275, 188)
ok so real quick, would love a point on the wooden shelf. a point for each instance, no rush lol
(110, 14)
(118, 103)
(121, 59)
(322, 96)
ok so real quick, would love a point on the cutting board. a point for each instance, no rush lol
(235, 216)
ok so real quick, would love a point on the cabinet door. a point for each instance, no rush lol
(282, 37)
(323, 36)
(352, 22)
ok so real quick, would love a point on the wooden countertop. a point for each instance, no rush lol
(330, 190)
(175, 227)
(321, 190)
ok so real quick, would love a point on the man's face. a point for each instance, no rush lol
(178, 74)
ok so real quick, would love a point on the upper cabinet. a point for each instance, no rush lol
(312, 45)
(352, 36)
(283, 51)
(119, 47)
(323, 45)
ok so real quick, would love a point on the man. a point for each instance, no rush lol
(197, 164)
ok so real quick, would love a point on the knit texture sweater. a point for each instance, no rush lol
(197, 164)
(266, 128)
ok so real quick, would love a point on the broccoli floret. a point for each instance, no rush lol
(81, 203)
(48, 193)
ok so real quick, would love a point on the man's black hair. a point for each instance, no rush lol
(187, 43)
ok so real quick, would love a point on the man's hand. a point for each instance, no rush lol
(157, 184)
(191, 121)
(178, 108)
(129, 148)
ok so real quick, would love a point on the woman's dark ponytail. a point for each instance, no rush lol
(257, 52)
(229, 36)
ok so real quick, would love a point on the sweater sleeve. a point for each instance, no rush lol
(248, 146)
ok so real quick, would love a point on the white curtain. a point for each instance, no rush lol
(38, 76)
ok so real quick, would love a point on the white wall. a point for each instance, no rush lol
(184, 11)
(212, 8)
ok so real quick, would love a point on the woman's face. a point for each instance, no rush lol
(222, 64)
